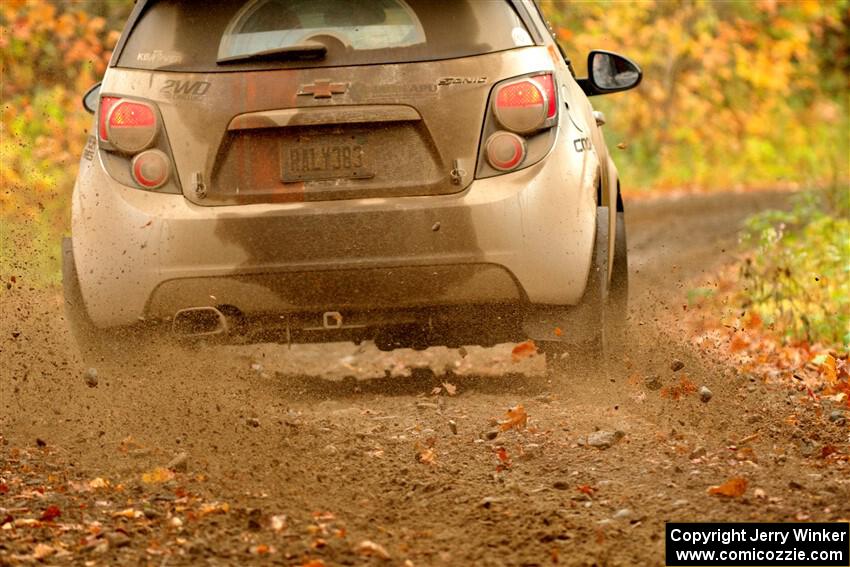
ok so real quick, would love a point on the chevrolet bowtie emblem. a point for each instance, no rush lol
(323, 89)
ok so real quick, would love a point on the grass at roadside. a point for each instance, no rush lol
(782, 310)
(796, 275)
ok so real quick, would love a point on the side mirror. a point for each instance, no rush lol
(610, 73)
(90, 98)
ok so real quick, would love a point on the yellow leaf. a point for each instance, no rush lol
(516, 418)
(157, 476)
(732, 488)
(98, 482)
(129, 513)
(214, 508)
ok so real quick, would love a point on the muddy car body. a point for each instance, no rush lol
(409, 172)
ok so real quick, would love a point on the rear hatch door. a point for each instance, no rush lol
(293, 100)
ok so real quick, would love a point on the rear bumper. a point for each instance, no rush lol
(521, 238)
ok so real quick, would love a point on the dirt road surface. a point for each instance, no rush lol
(344, 455)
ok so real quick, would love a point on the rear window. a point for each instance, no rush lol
(192, 35)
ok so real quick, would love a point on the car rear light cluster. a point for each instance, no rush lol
(522, 108)
(505, 150)
(151, 169)
(131, 128)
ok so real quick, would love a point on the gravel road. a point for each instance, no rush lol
(344, 455)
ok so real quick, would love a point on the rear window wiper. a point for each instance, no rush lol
(299, 51)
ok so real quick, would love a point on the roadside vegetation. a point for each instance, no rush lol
(50, 54)
(741, 95)
(735, 94)
(796, 274)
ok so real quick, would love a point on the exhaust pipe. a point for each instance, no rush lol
(199, 322)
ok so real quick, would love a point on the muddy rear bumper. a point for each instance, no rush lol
(522, 238)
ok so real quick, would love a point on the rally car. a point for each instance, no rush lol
(408, 172)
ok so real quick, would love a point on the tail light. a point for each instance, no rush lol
(505, 150)
(134, 152)
(131, 126)
(106, 104)
(519, 128)
(527, 104)
(150, 169)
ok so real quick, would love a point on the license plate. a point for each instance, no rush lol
(313, 161)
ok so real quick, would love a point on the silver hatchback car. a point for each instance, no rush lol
(411, 172)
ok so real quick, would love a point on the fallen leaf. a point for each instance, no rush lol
(827, 450)
(523, 350)
(314, 563)
(129, 513)
(436, 391)
(828, 370)
(451, 389)
(42, 551)
(261, 549)
(368, 548)
(586, 489)
(278, 522)
(157, 476)
(732, 488)
(50, 513)
(97, 483)
(214, 508)
(516, 418)
(503, 456)
(427, 455)
(685, 387)
(558, 331)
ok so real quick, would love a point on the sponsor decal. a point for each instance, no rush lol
(159, 57)
(582, 145)
(88, 150)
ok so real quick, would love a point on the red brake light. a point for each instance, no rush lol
(522, 94)
(131, 114)
(106, 104)
(131, 126)
(525, 105)
(548, 85)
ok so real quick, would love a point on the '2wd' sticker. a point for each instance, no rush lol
(187, 90)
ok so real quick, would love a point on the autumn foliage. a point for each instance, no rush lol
(50, 53)
(734, 93)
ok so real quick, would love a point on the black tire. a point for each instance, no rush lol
(613, 333)
(605, 303)
(95, 344)
(83, 331)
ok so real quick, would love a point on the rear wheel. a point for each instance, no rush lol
(616, 307)
(606, 304)
(95, 344)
